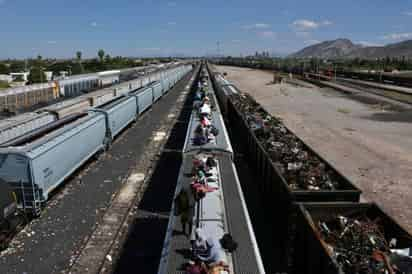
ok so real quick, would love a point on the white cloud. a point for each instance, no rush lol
(398, 36)
(302, 34)
(407, 13)
(307, 25)
(327, 23)
(304, 24)
(267, 34)
(149, 49)
(312, 41)
(172, 23)
(256, 26)
(93, 24)
(261, 25)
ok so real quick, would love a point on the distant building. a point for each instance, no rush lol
(49, 75)
(20, 76)
(5, 78)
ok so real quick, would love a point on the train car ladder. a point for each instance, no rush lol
(30, 199)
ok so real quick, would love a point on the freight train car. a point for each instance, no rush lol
(15, 99)
(219, 218)
(319, 224)
(20, 124)
(77, 85)
(16, 126)
(39, 161)
(119, 114)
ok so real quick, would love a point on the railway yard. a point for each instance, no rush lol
(365, 136)
(197, 162)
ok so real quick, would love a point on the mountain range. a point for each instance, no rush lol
(346, 49)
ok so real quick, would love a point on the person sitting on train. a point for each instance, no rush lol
(211, 162)
(200, 136)
(200, 190)
(198, 95)
(200, 176)
(215, 255)
(205, 109)
(203, 162)
(196, 267)
(199, 246)
(203, 92)
(196, 105)
(205, 121)
(200, 185)
(219, 268)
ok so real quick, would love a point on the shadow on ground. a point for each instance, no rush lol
(143, 246)
(403, 117)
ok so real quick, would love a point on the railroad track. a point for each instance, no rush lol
(397, 95)
(16, 224)
(301, 203)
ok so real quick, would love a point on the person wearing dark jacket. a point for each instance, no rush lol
(185, 204)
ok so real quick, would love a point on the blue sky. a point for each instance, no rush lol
(58, 28)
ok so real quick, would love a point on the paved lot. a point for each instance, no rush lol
(370, 144)
(50, 243)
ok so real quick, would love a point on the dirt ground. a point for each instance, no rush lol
(369, 144)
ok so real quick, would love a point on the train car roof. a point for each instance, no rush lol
(221, 144)
(18, 119)
(78, 78)
(234, 220)
(42, 144)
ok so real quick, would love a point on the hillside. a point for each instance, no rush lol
(344, 48)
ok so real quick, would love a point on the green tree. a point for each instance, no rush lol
(78, 68)
(4, 69)
(101, 54)
(17, 66)
(108, 58)
(37, 75)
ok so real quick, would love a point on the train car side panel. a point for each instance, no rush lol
(50, 168)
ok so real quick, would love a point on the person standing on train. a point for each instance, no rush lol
(185, 208)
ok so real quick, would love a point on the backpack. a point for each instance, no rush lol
(214, 131)
(228, 243)
(199, 141)
(210, 162)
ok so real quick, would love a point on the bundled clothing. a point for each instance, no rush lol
(199, 246)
